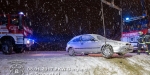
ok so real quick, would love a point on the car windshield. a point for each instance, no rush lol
(99, 37)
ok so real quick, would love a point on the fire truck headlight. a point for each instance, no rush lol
(28, 41)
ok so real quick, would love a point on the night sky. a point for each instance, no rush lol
(60, 20)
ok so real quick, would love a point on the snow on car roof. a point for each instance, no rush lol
(93, 35)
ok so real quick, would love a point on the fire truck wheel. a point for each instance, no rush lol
(19, 50)
(7, 47)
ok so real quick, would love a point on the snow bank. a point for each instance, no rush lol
(78, 65)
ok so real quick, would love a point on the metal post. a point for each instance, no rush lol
(111, 4)
(103, 21)
(20, 21)
(122, 24)
(121, 20)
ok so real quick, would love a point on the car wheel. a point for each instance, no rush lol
(7, 47)
(107, 51)
(71, 52)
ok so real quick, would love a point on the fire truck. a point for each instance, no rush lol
(15, 33)
(130, 33)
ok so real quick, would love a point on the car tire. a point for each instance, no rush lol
(71, 52)
(7, 47)
(107, 51)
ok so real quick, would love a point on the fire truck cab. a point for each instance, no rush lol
(15, 33)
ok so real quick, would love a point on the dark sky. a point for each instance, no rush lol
(60, 20)
(72, 17)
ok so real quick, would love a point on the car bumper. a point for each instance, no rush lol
(123, 49)
(126, 49)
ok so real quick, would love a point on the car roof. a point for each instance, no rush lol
(93, 35)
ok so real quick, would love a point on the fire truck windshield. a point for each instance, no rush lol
(3, 20)
(17, 20)
(14, 20)
(20, 20)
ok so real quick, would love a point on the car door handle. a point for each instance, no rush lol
(82, 43)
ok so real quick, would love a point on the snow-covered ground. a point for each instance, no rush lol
(132, 64)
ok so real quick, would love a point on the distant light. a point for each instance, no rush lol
(21, 13)
(127, 18)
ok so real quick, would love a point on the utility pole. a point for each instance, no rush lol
(111, 4)
(103, 21)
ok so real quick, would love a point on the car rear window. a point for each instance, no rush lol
(100, 37)
(76, 39)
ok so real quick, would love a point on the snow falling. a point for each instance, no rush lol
(57, 21)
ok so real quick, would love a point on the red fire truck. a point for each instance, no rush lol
(14, 33)
(131, 33)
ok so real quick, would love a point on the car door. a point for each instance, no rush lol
(89, 44)
(76, 44)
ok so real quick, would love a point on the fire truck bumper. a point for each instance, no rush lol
(28, 42)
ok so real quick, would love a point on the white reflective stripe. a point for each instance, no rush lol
(3, 28)
(25, 33)
(24, 28)
(27, 29)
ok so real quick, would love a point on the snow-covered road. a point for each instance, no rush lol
(60, 63)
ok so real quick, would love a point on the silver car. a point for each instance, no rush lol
(94, 43)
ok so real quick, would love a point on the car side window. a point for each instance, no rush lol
(87, 38)
(77, 39)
